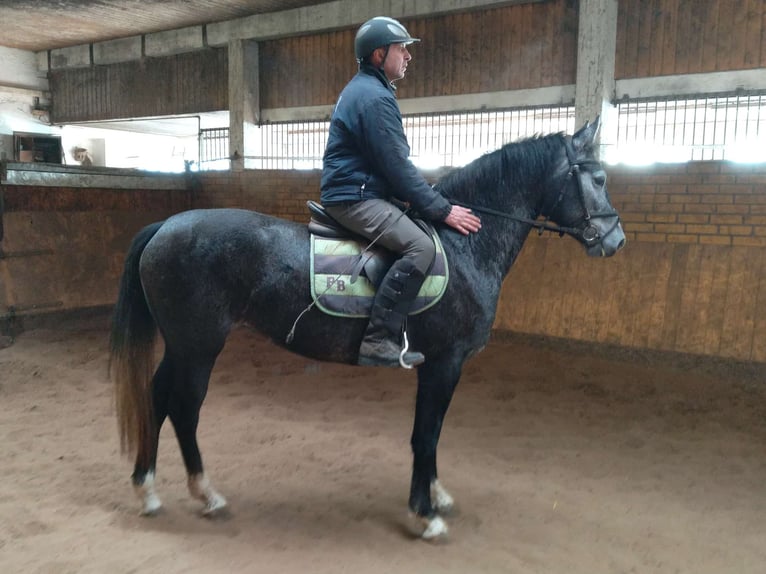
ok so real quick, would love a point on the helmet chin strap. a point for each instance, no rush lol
(383, 61)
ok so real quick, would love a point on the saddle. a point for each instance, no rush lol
(345, 273)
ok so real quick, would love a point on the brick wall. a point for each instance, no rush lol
(707, 203)
(691, 279)
(275, 192)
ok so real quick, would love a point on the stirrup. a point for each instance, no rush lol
(404, 350)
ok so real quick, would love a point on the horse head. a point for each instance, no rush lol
(579, 201)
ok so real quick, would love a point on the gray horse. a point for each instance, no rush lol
(200, 273)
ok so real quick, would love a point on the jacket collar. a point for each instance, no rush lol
(371, 70)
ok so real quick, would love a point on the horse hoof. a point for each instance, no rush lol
(215, 504)
(429, 529)
(199, 488)
(152, 505)
(436, 529)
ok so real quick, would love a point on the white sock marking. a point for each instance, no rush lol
(199, 487)
(150, 502)
(440, 497)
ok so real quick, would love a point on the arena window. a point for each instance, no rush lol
(714, 127)
(436, 140)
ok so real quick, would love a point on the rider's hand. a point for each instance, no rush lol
(463, 220)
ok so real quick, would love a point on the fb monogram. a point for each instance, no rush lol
(339, 284)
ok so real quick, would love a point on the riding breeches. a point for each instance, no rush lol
(389, 226)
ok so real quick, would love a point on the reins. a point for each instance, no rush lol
(540, 225)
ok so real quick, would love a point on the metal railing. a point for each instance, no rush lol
(454, 139)
(436, 140)
(294, 145)
(705, 127)
(709, 127)
(214, 148)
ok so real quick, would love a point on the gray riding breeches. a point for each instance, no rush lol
(389, 226)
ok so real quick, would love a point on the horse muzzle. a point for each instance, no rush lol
(604, 236)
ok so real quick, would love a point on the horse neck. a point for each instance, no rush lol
(518, 188)
(493, 250)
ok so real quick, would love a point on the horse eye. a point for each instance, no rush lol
(599, 178)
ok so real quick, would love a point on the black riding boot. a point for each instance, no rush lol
(381, 345)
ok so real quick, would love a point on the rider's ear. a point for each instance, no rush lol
(376, 58)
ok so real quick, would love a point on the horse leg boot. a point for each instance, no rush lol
(381, 345)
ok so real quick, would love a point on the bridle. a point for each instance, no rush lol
(589, 233)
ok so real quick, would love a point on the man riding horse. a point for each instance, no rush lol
(367, 168)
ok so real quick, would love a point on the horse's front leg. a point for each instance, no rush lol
(428, 498)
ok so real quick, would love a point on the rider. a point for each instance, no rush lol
(367, 168)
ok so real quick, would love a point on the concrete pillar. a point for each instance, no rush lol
(244, 104)
(595, 85)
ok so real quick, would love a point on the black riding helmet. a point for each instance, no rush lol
(380, 32)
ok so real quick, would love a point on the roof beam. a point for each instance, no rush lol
(337, 15)
(307, 20)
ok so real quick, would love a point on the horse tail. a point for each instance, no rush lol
(131, 358)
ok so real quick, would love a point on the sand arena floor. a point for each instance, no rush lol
(561, 460)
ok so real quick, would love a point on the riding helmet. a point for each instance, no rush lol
(378, 32)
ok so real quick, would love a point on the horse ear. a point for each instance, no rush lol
(586, 135)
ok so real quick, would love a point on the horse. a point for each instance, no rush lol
(200, 273)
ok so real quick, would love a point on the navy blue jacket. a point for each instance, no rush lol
(367, 154)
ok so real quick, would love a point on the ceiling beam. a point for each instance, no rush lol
(307, 20)
(338, 15)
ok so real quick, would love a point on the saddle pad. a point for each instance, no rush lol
(332, 264)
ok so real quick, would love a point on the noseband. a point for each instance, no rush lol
(589, 233)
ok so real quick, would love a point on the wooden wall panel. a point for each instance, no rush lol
(664, 37)
(753, 33)
(514, 47)
(193, 82)
(699, 299)
(312, 76)
(691, 22)
(76, 235)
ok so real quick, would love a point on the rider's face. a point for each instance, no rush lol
(395, 64)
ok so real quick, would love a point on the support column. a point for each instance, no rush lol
(244, 104)
(595, 87)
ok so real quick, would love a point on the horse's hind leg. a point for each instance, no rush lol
(191, 379)
(144, 472)
(178, 390)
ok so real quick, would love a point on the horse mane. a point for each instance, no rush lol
(516, 165)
